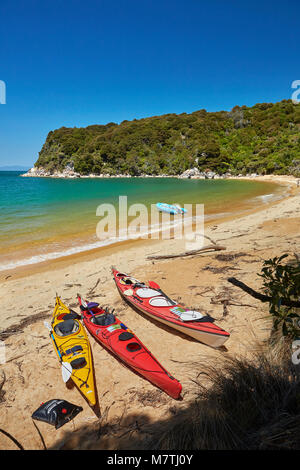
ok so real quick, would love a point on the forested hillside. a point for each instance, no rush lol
(264, 139)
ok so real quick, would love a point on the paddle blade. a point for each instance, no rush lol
(48, 326)
(154, 285)
(66, 371)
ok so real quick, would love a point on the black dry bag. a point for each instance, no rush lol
(56, 412)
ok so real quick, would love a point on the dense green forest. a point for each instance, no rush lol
(260, 139)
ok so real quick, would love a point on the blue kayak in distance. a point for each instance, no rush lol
(170, 208)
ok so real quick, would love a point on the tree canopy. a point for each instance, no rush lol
(263, 138)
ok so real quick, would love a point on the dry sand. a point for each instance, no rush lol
(128, 403)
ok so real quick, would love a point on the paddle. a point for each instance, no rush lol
(66, 371)
(66, 368)
(155, 286)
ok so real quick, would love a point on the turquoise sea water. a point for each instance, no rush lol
(43, 218)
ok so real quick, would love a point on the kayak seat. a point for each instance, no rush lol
(66, 327)
(105, 319)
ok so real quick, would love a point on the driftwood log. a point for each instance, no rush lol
(259, 296)
(190, 253)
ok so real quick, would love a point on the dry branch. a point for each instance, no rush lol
(190, 253)
(259, 296)
(92, 289)
(229, 302)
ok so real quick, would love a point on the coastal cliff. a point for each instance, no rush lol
(262, 139)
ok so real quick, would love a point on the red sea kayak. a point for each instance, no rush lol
(150, 300)
(121, 341)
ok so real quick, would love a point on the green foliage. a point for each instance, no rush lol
(282, 282)
(235, 404)
(263, 139)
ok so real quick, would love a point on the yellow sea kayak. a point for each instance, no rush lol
(73, 349)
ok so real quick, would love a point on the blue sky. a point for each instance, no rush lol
(76, 63)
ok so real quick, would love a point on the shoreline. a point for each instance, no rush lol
(188, 174)
(87, 251)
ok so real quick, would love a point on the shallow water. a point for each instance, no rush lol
(45, 218)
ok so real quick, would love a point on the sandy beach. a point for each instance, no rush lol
(128, 403)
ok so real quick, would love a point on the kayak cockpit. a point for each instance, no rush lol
(105, 319)
(66, 328)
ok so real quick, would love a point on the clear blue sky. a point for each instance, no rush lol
(76, 63)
